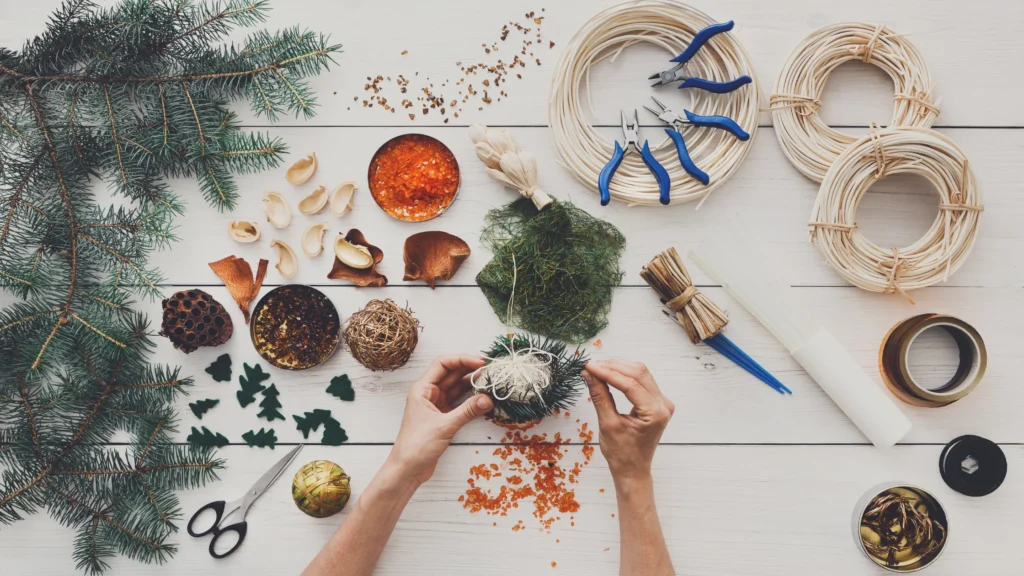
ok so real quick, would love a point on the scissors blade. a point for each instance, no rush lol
(268, 478)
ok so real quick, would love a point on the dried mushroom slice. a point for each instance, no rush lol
(432, 256)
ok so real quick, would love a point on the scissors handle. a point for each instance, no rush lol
(239, 528)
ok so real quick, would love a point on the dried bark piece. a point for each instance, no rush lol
(192, 318)
(360, 277)
(237, 277)
(302, 170)
(433, 255)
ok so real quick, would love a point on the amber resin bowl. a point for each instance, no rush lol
(413, 177)
(295, 327)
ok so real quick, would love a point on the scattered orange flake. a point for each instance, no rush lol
(606, 549)
(557, 541)
(404, 52)
(597, 343)
(613, 515)
(601, 490)
(553, 564)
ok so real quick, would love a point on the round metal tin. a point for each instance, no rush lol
(295, 327)
(387, 164)
(936, 511)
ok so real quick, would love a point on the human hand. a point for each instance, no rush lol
(628, 441)
(430, 421)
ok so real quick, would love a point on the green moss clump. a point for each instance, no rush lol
(562, 262)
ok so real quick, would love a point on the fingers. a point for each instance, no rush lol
(445, 371)
(635, 370)
(473, 408)
(635, 392)
(601, 398)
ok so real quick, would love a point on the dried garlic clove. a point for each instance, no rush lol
(243, 231)
(315, 202)
(352, 255)
(278, 213)
(287, 262)
(341, 198)
(313, 240)
(302, 171)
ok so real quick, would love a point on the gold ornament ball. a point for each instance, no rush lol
(321, 488)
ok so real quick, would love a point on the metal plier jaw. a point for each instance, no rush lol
(675, 74)
(631, 138)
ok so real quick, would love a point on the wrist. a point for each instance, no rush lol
(396, 478)
(629, 486)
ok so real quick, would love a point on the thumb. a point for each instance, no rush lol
(473, 408)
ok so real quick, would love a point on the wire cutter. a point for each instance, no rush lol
(629, 132)
(676, 121)
(674, 74)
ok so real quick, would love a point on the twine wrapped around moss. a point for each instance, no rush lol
(382, 335)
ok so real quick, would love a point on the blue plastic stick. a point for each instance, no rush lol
(728, 348)
(751, 364)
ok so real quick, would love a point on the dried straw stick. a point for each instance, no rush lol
(697, 314)
(810, 144)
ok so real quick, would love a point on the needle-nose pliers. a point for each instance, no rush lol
(674, 74)
(629, 132)
(676, 122)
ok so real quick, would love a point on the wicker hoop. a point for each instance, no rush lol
(943, 248)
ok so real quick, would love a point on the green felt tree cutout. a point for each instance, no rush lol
(341, 387)
(206, 438)
(250, 384)
(270, 405)
(334, 434)
(220, 369)
(308, 423)
(200, 407)
(261, 439)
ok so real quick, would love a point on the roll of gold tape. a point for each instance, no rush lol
(894, 352)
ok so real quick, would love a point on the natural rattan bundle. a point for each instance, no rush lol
(939, 253)
(810, 144)
(382, 335)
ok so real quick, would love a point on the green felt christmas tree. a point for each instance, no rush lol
(250, 384)
(270, 405)
(200, 407)
(220, 370)
(341, 387)
(118, 97)
(206, 438)
(261, 439)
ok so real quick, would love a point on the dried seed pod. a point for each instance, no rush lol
(192, 318)
(341, 198)
(359, 276)
(243, 231)
(287, 262)
(315, 202)
(313, 240)
(434, 255)
(278, 213)
(302, 171)
(237, 276)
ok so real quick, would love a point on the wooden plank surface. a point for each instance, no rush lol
(748, 482)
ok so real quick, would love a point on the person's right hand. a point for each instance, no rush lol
(628, 441)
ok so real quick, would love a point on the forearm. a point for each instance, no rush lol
(357, 545)
(643, 551)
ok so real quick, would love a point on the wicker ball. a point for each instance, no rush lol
(192, 318)
(382, 335)
(321, 488)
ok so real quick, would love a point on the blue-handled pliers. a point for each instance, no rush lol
(677, 121)
(629, 132)
(674, 74)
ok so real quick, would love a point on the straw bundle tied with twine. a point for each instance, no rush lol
(694, 311)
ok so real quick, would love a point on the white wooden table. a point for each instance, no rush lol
(748, 482)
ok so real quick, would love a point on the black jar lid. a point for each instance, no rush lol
(973, 465)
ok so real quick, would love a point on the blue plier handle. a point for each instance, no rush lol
(629, 132)
(699, 40)
(671, 118)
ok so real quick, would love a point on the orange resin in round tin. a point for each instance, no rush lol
(413, 177)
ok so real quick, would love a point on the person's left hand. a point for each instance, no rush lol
(430, 421)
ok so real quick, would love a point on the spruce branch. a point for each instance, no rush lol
(130, 95)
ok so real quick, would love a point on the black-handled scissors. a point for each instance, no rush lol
(224, 509)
